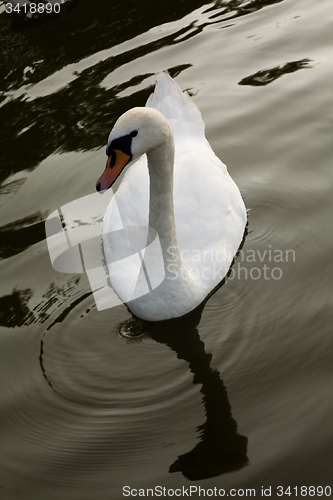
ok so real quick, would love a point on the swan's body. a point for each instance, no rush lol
(185, 194)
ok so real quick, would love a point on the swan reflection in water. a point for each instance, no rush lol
(221, 449)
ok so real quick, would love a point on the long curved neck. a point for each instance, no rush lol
(161, 209)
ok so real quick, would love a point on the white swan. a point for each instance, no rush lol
(185, 194)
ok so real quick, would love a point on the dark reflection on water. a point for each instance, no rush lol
(88, 106)
(266, 76)
(32, 55)
(221, 448)
(237, 8)
(14, 310)
(84, 30)
(21, 234)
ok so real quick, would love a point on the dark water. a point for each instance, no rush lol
(241, 390)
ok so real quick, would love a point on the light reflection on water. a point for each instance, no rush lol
(106, 411)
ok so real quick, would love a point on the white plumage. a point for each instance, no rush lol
(209, 216)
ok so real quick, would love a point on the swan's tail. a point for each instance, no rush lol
(178, 108)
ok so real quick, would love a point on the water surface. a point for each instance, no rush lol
(240, 390)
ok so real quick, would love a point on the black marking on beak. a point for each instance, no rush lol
(113, 159)
(123, 143)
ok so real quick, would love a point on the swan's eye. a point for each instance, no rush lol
(113, 159)
(134, 133)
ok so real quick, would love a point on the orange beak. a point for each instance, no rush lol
(114, 166)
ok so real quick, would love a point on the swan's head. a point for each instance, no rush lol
(136, 132)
